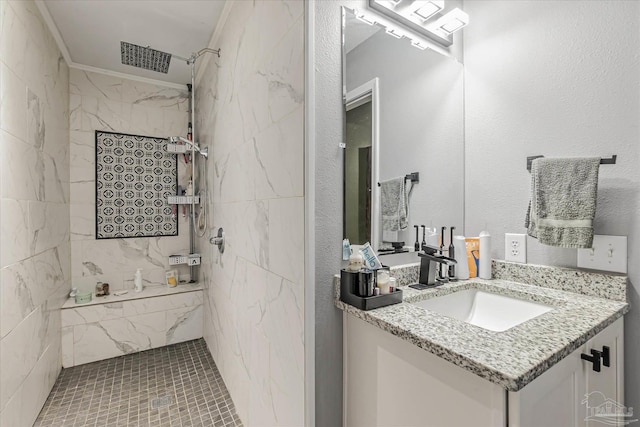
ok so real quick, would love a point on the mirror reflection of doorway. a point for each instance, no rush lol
(357, 172)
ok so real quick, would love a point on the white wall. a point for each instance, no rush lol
(250, 112)
(34, 210)
(113, 104)
(557, 78)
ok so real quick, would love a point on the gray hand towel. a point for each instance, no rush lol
(563, 201)
(395, 204)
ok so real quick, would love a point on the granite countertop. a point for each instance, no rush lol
(515, 357)
(147, 292)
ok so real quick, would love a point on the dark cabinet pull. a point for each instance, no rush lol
(594, 358)
(606, 356)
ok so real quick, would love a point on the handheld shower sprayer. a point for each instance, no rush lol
(204, 152)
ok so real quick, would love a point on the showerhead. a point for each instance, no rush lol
(144, 57)
(156, 60)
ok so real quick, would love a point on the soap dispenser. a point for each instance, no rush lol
(138, 280)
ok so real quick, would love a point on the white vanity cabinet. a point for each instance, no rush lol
(391, 382)
(566, 394)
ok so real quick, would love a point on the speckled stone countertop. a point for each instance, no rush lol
(515, 357)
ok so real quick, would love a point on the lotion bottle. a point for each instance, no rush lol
(138, 280)
(485, 255)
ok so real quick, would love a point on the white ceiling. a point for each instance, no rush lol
(92, 30)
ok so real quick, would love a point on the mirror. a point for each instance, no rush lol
(403, 114)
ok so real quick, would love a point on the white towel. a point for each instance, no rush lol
(395, 204)
(563, 201)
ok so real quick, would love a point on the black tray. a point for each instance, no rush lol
(370, 303)
(347, 294)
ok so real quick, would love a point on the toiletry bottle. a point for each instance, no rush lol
(190, 138)
(452, 254)
(443, 268)
(189, 191)
(138, 280)
(473, 255)
(382, 281)
(355, 262)
(346, 250)
(460, 252)
(485, 255)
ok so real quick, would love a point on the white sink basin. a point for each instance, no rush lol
(485, 309)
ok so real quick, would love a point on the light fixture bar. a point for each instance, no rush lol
(422, 17)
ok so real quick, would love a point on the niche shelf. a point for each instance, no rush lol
(183, 200)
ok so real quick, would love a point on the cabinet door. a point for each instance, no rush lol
(552, 399)
(390, 382)
(604, 389)
(571, 392)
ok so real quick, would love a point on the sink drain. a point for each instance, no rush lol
(161, 402)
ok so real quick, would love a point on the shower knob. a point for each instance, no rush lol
(218, 240)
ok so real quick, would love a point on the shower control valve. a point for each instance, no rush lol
(218, 240)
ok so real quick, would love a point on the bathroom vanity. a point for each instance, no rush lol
(411, 365)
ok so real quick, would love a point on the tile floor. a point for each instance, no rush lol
(177, 385)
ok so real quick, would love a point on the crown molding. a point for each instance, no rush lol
(53, 28)
(215, 38)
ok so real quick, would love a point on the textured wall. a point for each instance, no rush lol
(112, 104)
(328, 215)
(557, 78)
(250, 112)
(34, 210)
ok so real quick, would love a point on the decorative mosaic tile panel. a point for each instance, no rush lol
(134, 177)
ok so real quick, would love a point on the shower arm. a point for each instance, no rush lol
(196, 55)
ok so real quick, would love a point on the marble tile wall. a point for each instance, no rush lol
(249, 111)
(35, 270)
(103, 102)
(102, 331)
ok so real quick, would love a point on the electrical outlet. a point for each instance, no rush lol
(515, 247)
(608, 253)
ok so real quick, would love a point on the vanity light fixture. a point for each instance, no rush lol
(424, 17)
(452, 21)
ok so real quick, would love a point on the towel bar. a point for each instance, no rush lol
(413, 177)
(609, 161)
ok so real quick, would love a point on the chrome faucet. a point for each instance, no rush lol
(430, 263)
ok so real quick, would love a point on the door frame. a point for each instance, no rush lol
(370, 91)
